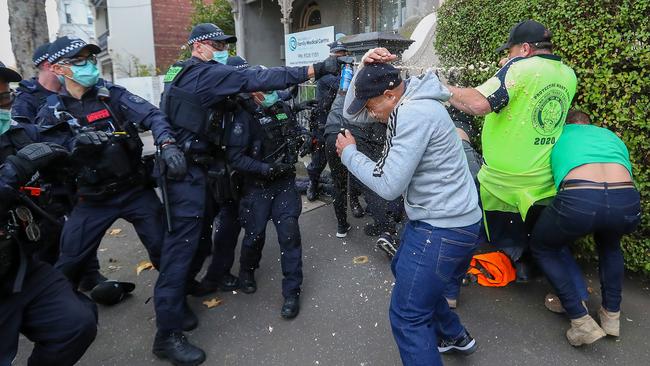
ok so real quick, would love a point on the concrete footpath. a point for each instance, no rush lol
(344, 314)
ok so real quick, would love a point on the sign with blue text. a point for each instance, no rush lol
(305, 48)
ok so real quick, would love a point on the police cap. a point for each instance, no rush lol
(40, 54)
(337, 46)
(111, 292)
(237, 62)
(209, 31)
(69, 47)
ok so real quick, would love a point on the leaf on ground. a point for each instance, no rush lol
(214, 302)
(114, 232)
(143, 266)
(362, 259)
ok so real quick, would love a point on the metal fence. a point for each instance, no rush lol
(306, 91)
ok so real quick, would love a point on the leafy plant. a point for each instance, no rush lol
(606, 42)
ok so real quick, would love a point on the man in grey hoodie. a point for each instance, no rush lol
(423, 160)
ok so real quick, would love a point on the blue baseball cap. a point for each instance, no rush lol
(237, 62)
(209, 31)
(337, 46)
(372, 81)
(40, 54)
(8, 75)
(69, 47)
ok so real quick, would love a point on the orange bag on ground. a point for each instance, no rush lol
(492, 269)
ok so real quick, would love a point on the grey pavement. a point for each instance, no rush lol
(343, 319)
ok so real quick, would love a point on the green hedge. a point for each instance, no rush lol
(606, 42)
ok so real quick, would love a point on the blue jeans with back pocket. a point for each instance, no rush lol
(608, 214)
(428, 259)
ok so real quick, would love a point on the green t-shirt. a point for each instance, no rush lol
(586, 144)
(530, 98)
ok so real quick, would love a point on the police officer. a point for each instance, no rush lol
(193, 99)
(263, 149)
(35, 299)
(57, 201)
(226, 225)
(326, 89)
(31, 94)
(100, 126)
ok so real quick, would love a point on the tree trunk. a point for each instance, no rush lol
(28, 27)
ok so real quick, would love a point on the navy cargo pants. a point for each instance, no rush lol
(61, 323)
(224, 238)
(89, 220)
(280, 202)
(187, 199)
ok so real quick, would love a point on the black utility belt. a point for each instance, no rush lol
(104, 191)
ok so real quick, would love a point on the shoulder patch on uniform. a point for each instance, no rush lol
(171, 73)
(238, 129)
(136, 99)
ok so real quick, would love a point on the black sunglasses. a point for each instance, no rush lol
(79, 61)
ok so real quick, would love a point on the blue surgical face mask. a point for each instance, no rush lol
(5, 120)
(270, 99)
(220, 56)
(86, 75)
(61, 79)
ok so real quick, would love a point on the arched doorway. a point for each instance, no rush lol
(311, 17)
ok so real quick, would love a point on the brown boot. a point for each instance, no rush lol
(584, 330)
(610, 322)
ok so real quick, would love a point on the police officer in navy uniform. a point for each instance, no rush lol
(262, 146)
(326, 89)
(31, 94)
(35, 299)
(194, 92)
(57, 200)
(226, 225)
(100, 125)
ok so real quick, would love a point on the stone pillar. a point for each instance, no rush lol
(286, 6)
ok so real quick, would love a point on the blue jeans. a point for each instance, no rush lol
(428, 259)
(608, 214)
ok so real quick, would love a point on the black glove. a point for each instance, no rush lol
(329, 66)
(35, 156)
(90, 138)
(277, 170)
(174, 160)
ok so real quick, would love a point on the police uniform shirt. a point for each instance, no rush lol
(89, 110)
(31, 95)
(244, 143)
(211, 82)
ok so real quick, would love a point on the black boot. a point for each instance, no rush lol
(90, 280)
(291, 307)
(312, 191)
(191, 287)
(247, 282)
(190, 320)
(227, 282)
(174, 347)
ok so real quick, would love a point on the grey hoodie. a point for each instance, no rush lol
(423, 159)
